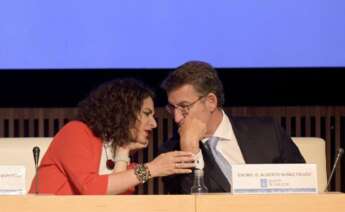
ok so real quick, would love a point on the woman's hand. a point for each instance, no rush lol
(177, 162)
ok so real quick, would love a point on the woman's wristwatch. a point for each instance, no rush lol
(142, 172)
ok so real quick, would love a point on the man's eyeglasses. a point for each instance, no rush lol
(184, 108)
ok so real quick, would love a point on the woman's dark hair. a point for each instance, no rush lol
(112, 109)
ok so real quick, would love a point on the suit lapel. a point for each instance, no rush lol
(213, 172)
(244, 137)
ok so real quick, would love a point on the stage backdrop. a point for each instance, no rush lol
(39, 34)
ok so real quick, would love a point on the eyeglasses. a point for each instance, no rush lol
(184, 108)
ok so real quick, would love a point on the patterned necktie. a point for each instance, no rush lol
(221, 161)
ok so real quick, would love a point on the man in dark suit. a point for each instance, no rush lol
(195, 99)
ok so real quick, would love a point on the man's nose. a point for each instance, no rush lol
(178, 116)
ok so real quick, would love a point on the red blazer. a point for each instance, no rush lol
(70, 165)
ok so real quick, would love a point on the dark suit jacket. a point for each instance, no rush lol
(261, 140)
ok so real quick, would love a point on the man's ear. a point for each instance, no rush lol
(212, 101)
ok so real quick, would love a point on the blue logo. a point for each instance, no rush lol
(263, 183)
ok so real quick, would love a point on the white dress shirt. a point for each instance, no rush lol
(106, 151)
(227, 145)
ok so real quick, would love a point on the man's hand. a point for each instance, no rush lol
(191, 132)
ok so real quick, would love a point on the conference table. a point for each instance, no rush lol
(329, 202)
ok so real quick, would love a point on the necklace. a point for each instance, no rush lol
(109, 163)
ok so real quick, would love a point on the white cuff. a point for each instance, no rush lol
(199, 160)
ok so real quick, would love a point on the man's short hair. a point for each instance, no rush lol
(201, 75)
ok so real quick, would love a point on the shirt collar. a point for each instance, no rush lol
(224, 130)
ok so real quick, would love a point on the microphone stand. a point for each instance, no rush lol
(36, 180)
(339, 155)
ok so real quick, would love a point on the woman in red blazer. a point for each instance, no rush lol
(90, 155)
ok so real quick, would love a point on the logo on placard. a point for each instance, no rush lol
(263, 183)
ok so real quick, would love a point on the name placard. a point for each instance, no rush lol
(274, 178)
(12, 180)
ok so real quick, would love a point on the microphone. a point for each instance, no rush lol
(339, 155)
(36, 154)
